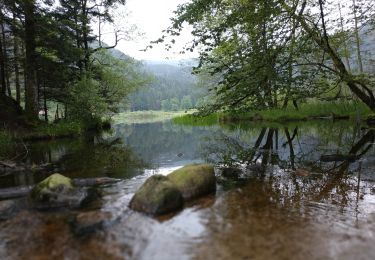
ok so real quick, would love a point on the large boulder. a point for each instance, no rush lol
(157, 196)
(56, 191)
(194, 180)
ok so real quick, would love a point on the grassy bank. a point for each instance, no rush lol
(311, 111)
(198, 120)
(140, 117)
(53, 131)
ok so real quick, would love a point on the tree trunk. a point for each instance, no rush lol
(85, 34)
(6, 62)
(31, 91)
(360, 89)
(345, 44)
(2, 63)
(45, 103)
(16, 69)
(357, 38)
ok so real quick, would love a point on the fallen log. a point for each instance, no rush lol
(94, 181)
(12, 167)
(15, 192)
(22, 191)
(8, 164)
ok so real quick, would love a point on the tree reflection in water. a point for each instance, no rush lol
(292, 164)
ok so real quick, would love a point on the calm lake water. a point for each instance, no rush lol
(286, 202)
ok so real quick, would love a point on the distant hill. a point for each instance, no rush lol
(173, 88)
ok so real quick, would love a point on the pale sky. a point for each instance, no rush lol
(151, 18)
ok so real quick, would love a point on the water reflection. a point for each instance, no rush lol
(87, 157)
(304, 191)
(337, 150)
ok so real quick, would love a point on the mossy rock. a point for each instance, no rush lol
(58, 191)
(53, 184)
(157, 196)
(194, 180)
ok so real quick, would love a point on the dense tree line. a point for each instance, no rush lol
(267, 54)
(172, 88)
(51, 58)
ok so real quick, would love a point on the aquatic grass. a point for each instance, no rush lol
(308, 111)
(316, 110)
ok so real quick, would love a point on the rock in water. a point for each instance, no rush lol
(54, 183)
(194, 180)
(56, 191)
(157, 196)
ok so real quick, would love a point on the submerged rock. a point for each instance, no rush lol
(88, 222)
(302, 172)
(7, 209)
(158, 195)
(57, 191)
(194, 180)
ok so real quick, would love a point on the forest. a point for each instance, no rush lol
(273, 55)
(53, 61)
(172, 88)
(187, 129)
(265, 55)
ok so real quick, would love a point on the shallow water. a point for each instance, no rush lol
(285, 204)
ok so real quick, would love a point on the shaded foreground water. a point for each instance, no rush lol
(286, 202)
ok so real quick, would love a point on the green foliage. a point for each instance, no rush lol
(6, 143)
(186, 102)
(312, 110)
(99, 93)
(56, 130)
(169, 82)
(175, 104)
(85, 102)
(166, 105)
(306, 111)
(263, 55)
(65, 61)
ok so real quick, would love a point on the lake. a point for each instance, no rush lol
(296, 191)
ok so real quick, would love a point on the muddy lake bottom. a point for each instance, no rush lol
(282, 202)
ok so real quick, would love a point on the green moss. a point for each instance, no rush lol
(194, 180)
(50, 185)
(157, 196)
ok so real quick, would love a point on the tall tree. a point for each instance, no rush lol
(357, 38)
(2, 60)
(31, 91)
(248, 43)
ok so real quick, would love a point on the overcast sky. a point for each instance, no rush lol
(151, 17)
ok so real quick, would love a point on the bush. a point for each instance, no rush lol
(61, 129)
